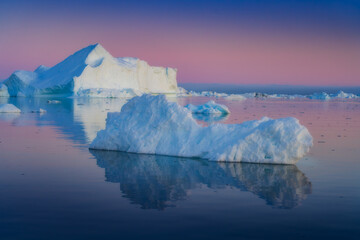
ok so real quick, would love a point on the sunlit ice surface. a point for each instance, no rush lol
(53, 187)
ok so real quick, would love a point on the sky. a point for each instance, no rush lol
(295, 42)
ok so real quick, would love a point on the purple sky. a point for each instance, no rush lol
(245, 42)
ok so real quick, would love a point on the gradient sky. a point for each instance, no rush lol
(298, 42)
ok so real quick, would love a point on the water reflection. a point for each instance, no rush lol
(158, 182)
(76, 119)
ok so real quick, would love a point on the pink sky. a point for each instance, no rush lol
(202, 53)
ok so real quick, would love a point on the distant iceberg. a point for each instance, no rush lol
(237, 97)
(242, 96)
(320, 96)
(152, 125)
(40, 110)
(92, 71)
(4, 90)
(9, 108)
(209, 108)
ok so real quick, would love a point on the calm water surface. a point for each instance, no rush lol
(53, 187)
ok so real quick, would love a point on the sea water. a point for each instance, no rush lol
(53, 187)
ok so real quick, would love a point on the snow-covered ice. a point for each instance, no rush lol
(209, 108)
(152, 125)
(9, 108)
(92, 70)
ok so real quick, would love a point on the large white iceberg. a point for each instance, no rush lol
(92, 71)
(9, 108)
(209, 108)
(152, 125)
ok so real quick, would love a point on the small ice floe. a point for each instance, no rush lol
(3, 90)
(153, 125)
(344, 95)
(339, 95)
(320, 96)
(209, 108)
(9, 108)
(207, 94)
(258, 95)
(235, 97)
(40, 110)
(53, 101)
(182, 92)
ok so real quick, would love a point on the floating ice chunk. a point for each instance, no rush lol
(182, 92)
(53, 101)
(4, 90)
(342, 94)
(9, 108)
(237, 97)
(40, 110)
(320, 96)
(207, 94)
(153, 125)
(243, 96)
(208, 108)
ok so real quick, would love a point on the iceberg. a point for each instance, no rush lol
(339, 95)
(92, 71)
(235, 97)
(4, 90)
(182, 92)
(9, 108)
(209, 108)
(40, 110)
(257, 95)
(320, 96)
(53, 101)
(344, 95)
(153, 125)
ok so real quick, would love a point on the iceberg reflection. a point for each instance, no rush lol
(77, 119)
(157, 182)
